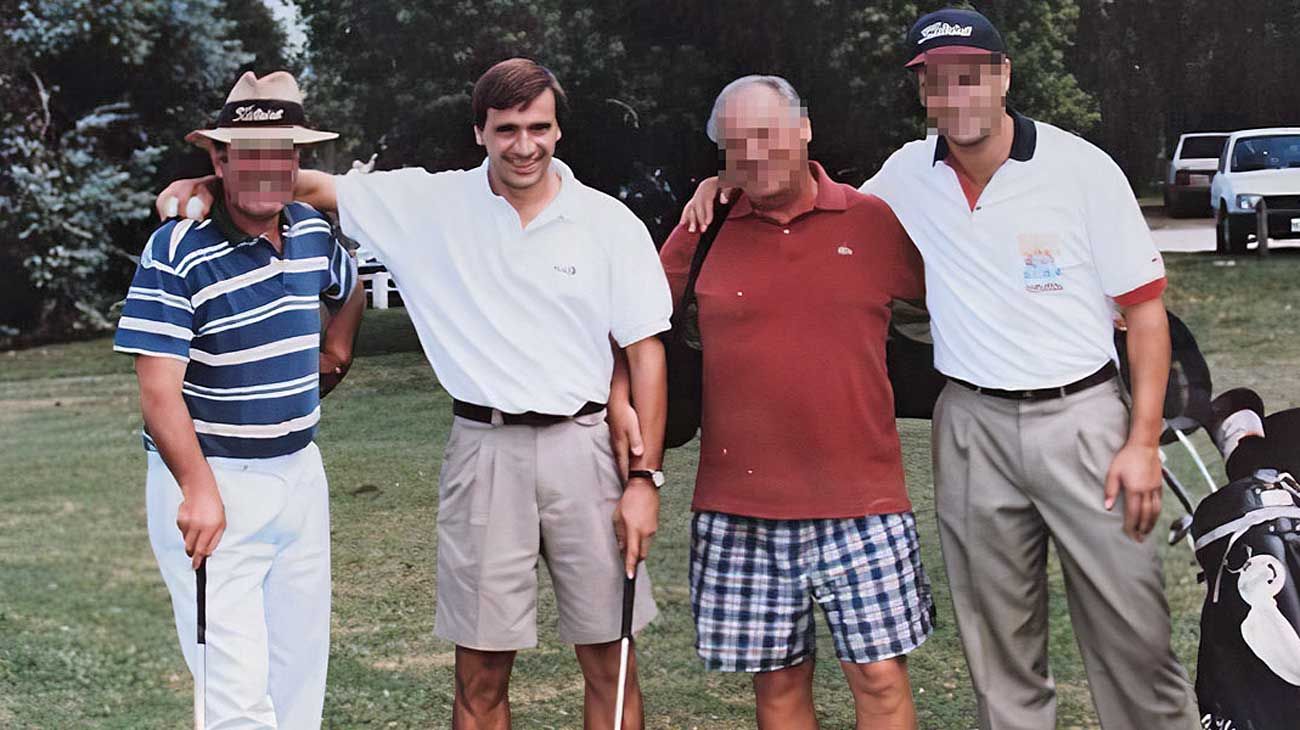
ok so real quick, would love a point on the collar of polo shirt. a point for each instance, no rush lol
(1024, 140)
(560, 207)
(224, 223)
(829, 195)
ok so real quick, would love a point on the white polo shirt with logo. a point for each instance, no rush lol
(517, 319)
(1022, 283)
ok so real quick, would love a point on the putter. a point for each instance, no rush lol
(629, 598)
(201, 664)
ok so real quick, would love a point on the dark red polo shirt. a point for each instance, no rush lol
(798, 414)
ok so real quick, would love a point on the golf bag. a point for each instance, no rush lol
(909, 359)
(1187, 397)
(1248, 545)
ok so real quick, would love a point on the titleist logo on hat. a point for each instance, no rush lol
(257, 114)
(943, 30)
(261, 112)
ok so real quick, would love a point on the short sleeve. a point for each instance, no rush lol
(642, 304)
(676, 256)
(157, 318)
(1128, 264)
(887, 181)
(907, 273)
(343, 274)
(379, 209)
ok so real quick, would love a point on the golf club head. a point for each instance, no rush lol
(1179, 528)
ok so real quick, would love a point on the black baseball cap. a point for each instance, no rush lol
(952, 31)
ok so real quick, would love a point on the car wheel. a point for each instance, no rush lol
(1237, 228)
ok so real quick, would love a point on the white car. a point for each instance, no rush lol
(1257, 165)
(1187, 182)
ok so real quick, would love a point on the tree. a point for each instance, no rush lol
(93, 103)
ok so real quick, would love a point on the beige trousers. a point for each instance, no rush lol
(1009, 475)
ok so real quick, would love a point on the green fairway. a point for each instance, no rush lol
(86, 632)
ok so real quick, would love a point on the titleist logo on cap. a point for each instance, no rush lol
(257, 114)
(942, 29)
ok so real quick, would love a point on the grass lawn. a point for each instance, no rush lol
(86, 635)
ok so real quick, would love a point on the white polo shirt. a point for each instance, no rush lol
(518, 319)
(1022, 283)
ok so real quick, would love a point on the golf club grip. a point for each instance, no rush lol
(201, 594)
(629, 599)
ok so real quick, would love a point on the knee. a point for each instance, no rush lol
(883, 684)
(784, 685)
(600, 664)
(482, 687)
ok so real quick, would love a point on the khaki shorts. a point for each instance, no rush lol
(508, 494)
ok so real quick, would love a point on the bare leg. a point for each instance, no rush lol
(882, 694)
(785, 698)
(482, 690)
(599, 664)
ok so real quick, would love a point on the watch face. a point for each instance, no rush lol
(658, 478)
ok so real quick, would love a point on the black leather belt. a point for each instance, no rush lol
(483, 414)
(1106, 373)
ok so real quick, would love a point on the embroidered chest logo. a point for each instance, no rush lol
(1039, 255)
(566, 270)
(844, 250)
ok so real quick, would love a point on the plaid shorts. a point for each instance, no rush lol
(754, 582)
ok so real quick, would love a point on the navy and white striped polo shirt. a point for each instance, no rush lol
(246, 318)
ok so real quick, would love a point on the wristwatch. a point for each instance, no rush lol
(656, 477)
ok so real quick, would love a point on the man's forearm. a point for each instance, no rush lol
(1149, 354)
(341, 332)
(620, 385)
(648, 373)
(172, 430)
(339, 336)
(316, 188)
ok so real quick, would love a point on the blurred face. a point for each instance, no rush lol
(764, 142)
(964, 95)
(258, 175)
(521, 141)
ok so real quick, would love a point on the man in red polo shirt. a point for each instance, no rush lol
(1032, 240)
(799, 498)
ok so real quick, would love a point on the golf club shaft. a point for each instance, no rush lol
(1177, 489)
(201, 661)
(622, 683)
(629, 600)
(1196, 457)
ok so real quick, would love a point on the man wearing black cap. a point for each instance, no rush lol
(1031, 237)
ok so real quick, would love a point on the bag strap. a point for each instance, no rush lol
(720, 211)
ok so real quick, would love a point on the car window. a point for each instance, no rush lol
(1272, 152)
(1207, 148)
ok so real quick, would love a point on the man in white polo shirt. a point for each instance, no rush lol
(1031, 237)
(517, 276)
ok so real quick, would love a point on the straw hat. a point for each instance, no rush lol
(265, 108)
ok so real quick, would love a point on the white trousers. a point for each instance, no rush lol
(268, 589)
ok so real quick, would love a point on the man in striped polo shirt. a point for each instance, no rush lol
(223, 316)
(517, 277)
